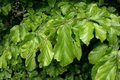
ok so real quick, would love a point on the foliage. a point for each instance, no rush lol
(66, 40)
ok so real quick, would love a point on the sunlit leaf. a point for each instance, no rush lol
(100, 32)
(63, 49)
(86, 32)
(28, 51)
(46, 53)
(14, 34)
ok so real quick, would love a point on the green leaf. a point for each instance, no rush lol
(5, 57)
(6, 9)
(77, 45)
(54, 71)
(77, 51)
(96, 13)
(107, 71)
(23, 32)
(86, 32)
(15, 53)
(112, 37)
(106, 67)
(15, 34)
(63, 49)
(46, 53)
(118, 59)
(65, 8)
(3, 62)
(100, 32)
(29, 53)
(97, 53)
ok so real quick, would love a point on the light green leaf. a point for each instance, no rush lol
(107, 71)
(112, 37)
(77, 45)
(86, 32)
(65, 8)
(77, 51)
(118, 59)
(15, 53)
(100, 32)
(97, 53)
(28, 51)
(64, 52)
(4, 58)
(46, 53)
(30, 62)
(23, 32)
(3, 62)
(96, 13)
(106, 67)
(15, 34)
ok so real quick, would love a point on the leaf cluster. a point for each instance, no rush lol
(49, 44)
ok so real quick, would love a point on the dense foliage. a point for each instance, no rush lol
(59, 40)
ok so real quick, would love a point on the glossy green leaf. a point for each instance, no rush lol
(86, 32)
(46, 53)
(107, 71)
(106, 67)
(63, 49)
(100, 32)
(28, 51)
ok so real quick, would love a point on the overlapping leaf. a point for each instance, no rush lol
(46, 53)
(5, 57)
(28, 51)
(15, 34)
(57, 38)
(106, 65)
(54, 71)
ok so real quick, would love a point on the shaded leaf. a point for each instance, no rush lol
(77, 45)
(54, 71)
(97, 53)
(51, 3)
